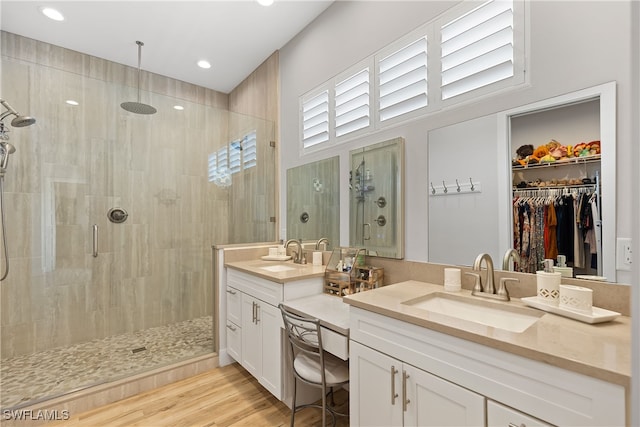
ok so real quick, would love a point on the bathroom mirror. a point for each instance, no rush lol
(376, 198)
(462, 225)
(313, 201)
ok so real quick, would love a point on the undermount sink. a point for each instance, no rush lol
(501, 316)
(277, 268)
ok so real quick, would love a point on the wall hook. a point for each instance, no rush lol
(433, 190)
(458, 185)
(445, 187)
(472, 187)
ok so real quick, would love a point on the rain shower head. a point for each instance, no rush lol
(138, 107)
(19, 121)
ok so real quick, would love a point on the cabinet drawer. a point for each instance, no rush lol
(265, 290)
(234, 306)
(234, 341)
(335, 343)
(502, 416)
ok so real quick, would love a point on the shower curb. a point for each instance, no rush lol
(103, 394)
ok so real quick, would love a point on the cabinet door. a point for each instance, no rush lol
(234, 302)
(374, 388)
(234, 341)
(270, 321)
(432, 401)
(502, 416)
(251, 337)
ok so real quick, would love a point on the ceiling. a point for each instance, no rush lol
(235, 36)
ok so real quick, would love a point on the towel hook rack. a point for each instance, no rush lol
(457, 185)
(445, 187)
(472, 186)
(433, 189)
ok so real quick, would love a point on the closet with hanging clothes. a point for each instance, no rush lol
(548, 222)
(556, 169)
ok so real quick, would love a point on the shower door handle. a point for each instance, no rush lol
(95, 240)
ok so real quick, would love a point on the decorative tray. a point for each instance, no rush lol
(276, 257)
(598, 315)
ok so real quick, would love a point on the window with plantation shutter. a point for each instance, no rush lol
(402, 80)
(235, 152)
(249, 151)
(315, 120)
(352, 106)
(212, 166)
(477, 49)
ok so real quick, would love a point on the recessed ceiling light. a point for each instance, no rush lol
(71, 102)
(204, 64)
(178, 107)
(52, 13)
(265, 2)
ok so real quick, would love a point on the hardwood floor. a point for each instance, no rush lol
(227, 396)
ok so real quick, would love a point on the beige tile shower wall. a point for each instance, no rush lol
(77, 163)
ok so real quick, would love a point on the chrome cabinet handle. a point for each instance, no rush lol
(229, 291)
(95, 240)
(257, 313)
(233, 328)
(516, 425)
(405, 400)
(253, 308)
(394, 371)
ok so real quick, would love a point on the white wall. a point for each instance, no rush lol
(573, 45)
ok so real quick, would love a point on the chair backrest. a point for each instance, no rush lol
(303, 333)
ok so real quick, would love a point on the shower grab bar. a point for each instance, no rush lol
(95, 240)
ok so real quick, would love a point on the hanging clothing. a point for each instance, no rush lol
(550, 239)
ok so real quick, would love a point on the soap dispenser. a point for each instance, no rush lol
(562, 267)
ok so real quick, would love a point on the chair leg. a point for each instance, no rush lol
(333, 402)
(324, 408)
(293, 404)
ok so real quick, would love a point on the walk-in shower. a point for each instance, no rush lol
(146, 303)
(6, 150)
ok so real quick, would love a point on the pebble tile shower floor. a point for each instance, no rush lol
(57, 371)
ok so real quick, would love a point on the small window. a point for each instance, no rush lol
(315, 120)
(235, 153)
(249, 151)
(352, 110)
(212, 167)
(402, 80)
(477, 48)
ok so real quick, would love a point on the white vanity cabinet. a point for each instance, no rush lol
(387, 392)
(452, 375)
(254, 324)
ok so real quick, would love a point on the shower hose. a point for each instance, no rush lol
(4, 234)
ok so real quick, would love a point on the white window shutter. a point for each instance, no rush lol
(402, 80)
(212, 166)
(352, 110)
(315, 120)
(249, 151)
(477, 48)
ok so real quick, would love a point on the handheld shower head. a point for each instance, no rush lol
(19, 121)
(22, 121)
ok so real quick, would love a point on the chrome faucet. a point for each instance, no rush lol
(321, 240)
(511, 253)
(488, 290)
(298, 255)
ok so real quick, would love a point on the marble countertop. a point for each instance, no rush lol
(286, 271)
(600, 350)
(331, 310)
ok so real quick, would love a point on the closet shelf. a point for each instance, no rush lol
(572, 161)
